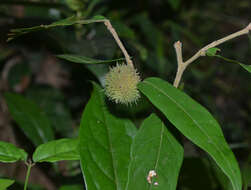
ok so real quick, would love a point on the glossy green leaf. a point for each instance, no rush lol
(30, 118)
(10, 153)
(57, 150)
(14, 33)
(195, 122)
(212, 51)
(105, 143)
(86, 60)
(5, 183)
(154, 148)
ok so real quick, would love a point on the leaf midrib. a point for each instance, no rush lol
(180, 106)
(158, 154)
(110, 145)
(55, 155)
(9, 157)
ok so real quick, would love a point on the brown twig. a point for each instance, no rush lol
(202, 52)
(116, 37)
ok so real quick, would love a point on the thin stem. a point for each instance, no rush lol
(116, 37)
(29, 164)
(202, 52)
(178, 49)
(178, 76)
(181, 68)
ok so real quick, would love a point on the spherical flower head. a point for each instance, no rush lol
(121, 84)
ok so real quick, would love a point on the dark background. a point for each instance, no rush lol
(148, 29)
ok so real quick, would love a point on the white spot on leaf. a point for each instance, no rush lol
(151, 174)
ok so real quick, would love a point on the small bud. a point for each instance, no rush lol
(121, 84)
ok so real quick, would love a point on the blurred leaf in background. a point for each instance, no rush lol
(30, 118)
(5, 183)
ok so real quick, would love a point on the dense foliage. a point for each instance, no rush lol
(67, 124)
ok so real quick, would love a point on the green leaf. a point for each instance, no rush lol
(5, 183)
(154, 148)
(30, 118)
(86, 60)
(57, 150)
(71, 187)
(195, 122)
(105, 143)
(10, 153)
(14, 33)
(222, 179)
(247, 67)
(212, 51)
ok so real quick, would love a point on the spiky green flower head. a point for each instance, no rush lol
(121, 84)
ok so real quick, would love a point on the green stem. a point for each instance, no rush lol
(29, 164)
